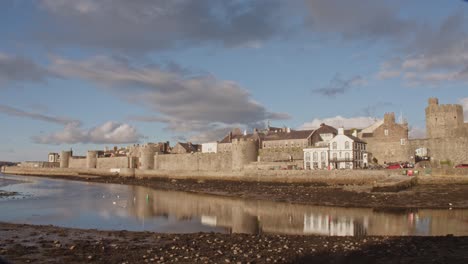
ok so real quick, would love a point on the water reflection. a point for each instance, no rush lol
(110, 206)
(249, 216)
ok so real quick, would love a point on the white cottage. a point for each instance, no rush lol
(347, 151)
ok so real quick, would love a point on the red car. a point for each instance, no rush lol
(393, 166)
(462, 166)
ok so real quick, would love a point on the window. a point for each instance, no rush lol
(386, 132)
(307, 156)
(346, 145)
(334, 145)
(334, 156)
(315, 156)
(403, 141)
(347, 155)
(323, 156)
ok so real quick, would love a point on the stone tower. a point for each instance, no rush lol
(243, 151)
(65, 159)
(443, 121)
(91, 159)
(147, 153)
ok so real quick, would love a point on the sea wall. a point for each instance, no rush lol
(113, 162)
(77, 163)
(194, 162)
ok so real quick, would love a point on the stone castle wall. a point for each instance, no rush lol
(77, 163)
(387, 152)
(113, 162)
(450, 151)
(284, 154)
(193, 162)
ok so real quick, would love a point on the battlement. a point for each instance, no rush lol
(433, 101)
(444, 120)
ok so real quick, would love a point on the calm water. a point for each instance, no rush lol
(120, 207)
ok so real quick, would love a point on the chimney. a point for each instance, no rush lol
(354, 133)
(340, 131)
(389, 118)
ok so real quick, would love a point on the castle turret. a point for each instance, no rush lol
(91, 159)
(147, 157)
(443, 121)
(65, 159)
(244, 151)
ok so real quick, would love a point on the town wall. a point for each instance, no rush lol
(113, 162)
(284, 154)
(193, 162)
(448, 151)
(387, 152)
(77, 163)
(39, 164)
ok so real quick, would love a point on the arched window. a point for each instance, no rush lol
(334, 145)
(346, 145)
(346, 155)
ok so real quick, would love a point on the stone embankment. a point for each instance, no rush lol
(282, 176)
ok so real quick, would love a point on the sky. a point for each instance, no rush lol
(85, 74)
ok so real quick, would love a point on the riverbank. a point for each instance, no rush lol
(48, 244)
(428, 193)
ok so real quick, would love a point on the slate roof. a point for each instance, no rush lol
(293, 134)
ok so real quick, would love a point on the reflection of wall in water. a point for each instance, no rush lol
(251, 216)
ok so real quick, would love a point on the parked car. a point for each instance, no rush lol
(394, 166)
(462, 166)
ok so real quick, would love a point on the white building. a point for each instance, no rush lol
(211, 147)
(337, 152)
(316, 158)
(346, 151)
(53, 157)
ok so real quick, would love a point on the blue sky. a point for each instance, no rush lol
(85, 74)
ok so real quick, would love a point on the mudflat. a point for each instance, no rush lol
(48, 244)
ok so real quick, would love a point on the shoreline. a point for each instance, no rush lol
(426, 195)
(20, 243)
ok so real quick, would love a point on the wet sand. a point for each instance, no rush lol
(47, 244)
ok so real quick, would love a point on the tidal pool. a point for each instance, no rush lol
(65, 203)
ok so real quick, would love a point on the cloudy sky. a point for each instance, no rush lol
(85, 74)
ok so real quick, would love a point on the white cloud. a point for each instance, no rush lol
(186, 102)
(339, 121)
(109, 132)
